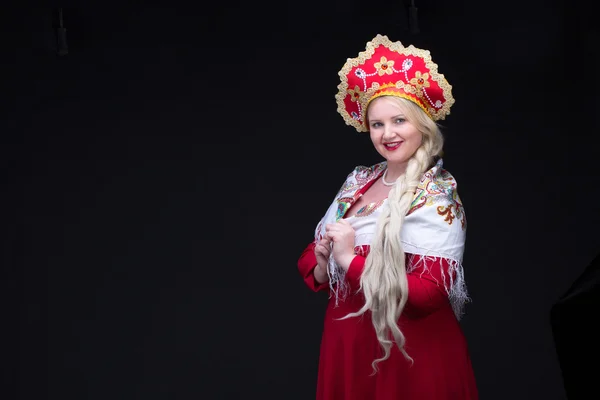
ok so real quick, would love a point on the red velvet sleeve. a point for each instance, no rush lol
(355, 271)
(426, 291)
(306, 265)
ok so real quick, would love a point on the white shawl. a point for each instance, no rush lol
(435, 226)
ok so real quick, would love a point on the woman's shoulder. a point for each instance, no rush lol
(361, 172)
(438, 188)
(359, 176)
(438, 180)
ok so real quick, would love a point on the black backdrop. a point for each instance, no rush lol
(164, 176)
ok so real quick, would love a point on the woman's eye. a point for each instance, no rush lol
(400, 120)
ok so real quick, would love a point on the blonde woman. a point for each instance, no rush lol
(389, 249)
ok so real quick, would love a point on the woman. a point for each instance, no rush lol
(389, 249)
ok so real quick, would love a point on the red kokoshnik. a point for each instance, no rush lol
(389, 68)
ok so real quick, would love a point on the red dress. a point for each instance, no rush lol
(434, 339)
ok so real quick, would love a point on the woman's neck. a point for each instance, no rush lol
(394, 171)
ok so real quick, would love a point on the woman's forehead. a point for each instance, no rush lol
(384, 105)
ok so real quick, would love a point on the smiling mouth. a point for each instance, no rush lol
(392, 146)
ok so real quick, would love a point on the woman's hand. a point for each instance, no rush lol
(342, 235)
(322, 253)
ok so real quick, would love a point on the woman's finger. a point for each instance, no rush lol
(319, 254)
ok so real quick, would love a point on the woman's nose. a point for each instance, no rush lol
(388, 131)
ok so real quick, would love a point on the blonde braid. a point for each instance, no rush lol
(384, 282)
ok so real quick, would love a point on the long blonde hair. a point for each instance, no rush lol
(383, 281)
